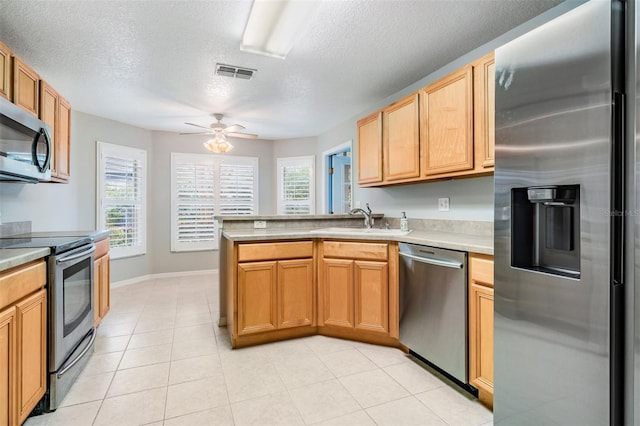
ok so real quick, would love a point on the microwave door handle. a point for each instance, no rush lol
(77, 255)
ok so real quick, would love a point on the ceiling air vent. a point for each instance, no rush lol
(233, 71)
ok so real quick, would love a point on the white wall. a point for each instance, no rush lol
(164, 143)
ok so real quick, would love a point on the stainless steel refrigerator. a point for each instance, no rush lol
(564, 235)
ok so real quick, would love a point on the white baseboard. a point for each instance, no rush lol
(163, 275)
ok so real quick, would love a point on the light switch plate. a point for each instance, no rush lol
(443, 204)
(259, 224)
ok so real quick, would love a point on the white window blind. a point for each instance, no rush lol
(296, 185)
(203, 186)
(121, 189)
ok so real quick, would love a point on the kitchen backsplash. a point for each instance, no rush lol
(14, 228)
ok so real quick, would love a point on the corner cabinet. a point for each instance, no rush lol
(481, 326)
(5, 71)
(358, 290)
(272, 292)
(370, 149)
(484, 106)
(23, 340)
(102, 281)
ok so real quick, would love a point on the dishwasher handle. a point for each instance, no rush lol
(432, 261)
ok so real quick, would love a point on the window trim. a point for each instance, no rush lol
(104, 149)
(307, 160)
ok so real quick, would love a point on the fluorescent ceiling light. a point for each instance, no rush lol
(275, 25)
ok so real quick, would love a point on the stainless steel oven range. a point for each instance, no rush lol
(71, 333)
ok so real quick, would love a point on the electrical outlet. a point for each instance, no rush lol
(259, 224)
(443, 204)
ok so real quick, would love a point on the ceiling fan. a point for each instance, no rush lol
(220, 128)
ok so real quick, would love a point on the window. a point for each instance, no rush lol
(121, 189)
(203, 186)
(296, 185)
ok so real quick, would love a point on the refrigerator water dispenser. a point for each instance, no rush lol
(546, 229)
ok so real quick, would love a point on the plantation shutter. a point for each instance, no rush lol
(296, 185)
(122, 198)
(205, 186)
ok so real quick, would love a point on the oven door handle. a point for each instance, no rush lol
(77, 255)
(93, 335)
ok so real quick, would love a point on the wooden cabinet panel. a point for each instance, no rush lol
(8, 366)
(372, 296)
(447, 123)
(62, 147)
(21, 281)
(31, 321)
(248, 252)
(401, 139)
(370, 149)
(295, 293)
(484, 95)
(338, 292)
(5, 71)
(353, 250)
(49, 109)
(257, 310)
(481, 326)
(25, 86)
(102, 282)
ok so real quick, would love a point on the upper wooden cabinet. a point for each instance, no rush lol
(5, 71)
(447, 124)
(484, 106)
(25, 86)
(56, 112)
(370, 149)
(481, 326)
(401, 139)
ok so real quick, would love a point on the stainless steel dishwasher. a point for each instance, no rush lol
(433, 306)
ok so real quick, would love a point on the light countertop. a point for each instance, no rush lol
(10, 258)
(448, 240)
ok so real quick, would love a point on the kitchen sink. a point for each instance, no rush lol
(364, 231)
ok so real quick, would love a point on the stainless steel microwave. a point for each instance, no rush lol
(25, 145)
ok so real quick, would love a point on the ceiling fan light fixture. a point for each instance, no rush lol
(218, 144)
(275, 25)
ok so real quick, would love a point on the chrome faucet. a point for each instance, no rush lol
(368, 219)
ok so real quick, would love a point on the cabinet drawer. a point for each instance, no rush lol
(19, 282)
(102, 248)
(481, 268)
(353, 250)
(275, 251)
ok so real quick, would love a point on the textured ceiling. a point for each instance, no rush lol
(151, 63)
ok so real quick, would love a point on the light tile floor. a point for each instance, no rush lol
(161, 359)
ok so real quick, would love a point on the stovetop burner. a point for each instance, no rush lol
(57, 244)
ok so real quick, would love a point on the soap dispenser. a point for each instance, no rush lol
(404, 222)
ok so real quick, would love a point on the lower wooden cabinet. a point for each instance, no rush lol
(356, 299)
(23, 341)
(31, 322)
(273, 291)
(481, 326)
(102, 281)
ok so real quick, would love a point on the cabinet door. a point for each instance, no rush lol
(105, 285)
(62, 147)
(97, 265)
(370, 149)
(401, 139)
(25, 86)
(295, 293)
(31, 321)
(337, 288)
(49, 107)
(484, 95)
(8, 366)
(372, 296)
(257, 297)
(481, 325)
(5, 71)
(447, 124)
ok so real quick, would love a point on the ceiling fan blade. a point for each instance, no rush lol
(198, 133)
(234, 128)
(242, 135)
(197, 125)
